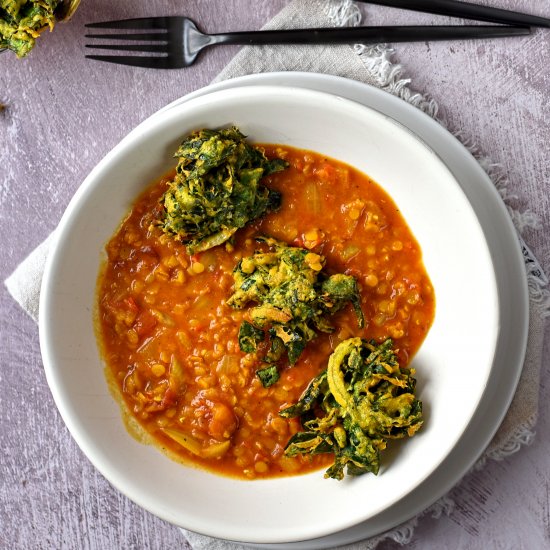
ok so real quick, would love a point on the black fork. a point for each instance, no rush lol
(175, 42)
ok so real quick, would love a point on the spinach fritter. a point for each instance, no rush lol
(22, 21)
(353, 407)
(294, 297)
(217, 188)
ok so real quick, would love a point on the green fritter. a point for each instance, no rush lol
(294, 296)
(217, 189)
(352, 408)
(22, 21)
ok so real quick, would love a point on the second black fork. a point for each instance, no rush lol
(176, 41)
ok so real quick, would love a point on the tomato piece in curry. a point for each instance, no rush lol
(170, 341)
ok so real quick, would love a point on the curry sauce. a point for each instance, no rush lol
(171, 340)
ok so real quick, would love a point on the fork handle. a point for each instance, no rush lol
(350, 35)
(467, 10)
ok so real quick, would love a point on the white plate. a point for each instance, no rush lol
(454, 245)
(511, 283)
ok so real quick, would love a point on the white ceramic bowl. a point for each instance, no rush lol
(453, 364)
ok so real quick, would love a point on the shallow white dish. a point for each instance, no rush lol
(439, 215)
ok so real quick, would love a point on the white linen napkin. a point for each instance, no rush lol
(372, 65)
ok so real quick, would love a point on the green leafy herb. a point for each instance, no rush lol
(249, 337)
(217, 188)
(352, 408)
(268, 375)
(293, 294)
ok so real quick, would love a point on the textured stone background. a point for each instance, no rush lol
(64, 114)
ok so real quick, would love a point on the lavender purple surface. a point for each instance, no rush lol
(64, 113)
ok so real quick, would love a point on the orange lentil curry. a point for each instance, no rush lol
(170, 341)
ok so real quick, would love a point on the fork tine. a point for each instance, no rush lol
(155, 48)
(161, 36)
(135, 61)
(138, 23)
